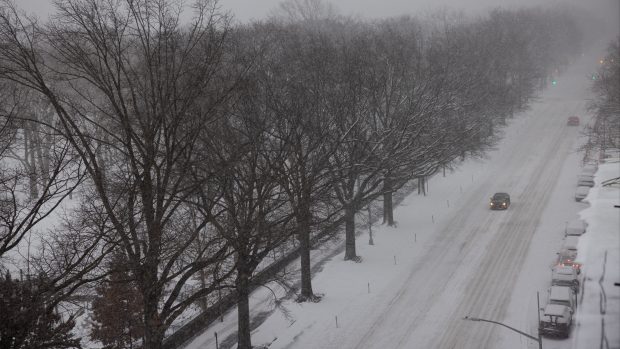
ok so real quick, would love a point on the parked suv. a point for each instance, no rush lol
(500, 201)
(556, 321)
(562, 275)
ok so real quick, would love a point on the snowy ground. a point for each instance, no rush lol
(452, 257)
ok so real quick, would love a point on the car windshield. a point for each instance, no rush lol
(500, 196)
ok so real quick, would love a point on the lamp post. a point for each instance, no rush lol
(537, 339)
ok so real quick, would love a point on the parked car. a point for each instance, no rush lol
(565, 276)
(556, 321)
(586, 180)
(568, 254)
(571, 243)
(581, 192)
(576, 227)
(567, 258)
(500, 201)
(589, 169)
(562, 295)
(573, 121)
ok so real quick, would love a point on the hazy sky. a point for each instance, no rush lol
(245, 10)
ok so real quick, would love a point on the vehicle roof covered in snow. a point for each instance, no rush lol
(582, 189)
(560, 292)
(577, 223)
(570, 243)
(566, 270)
(589, 169)
(556, 309)
(576, 227)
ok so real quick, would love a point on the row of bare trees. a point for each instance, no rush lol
(189, 150)
(606, 103)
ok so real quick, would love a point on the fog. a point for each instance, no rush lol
(600, 19)
(247, 10)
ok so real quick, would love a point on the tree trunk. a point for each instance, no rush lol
(303, 231)
(202, 302)
(349, 214)
(388, 209)
(388, 204)
(243, 308)
(43, 162)
(422, 185)
(154, 331)
(30, 162)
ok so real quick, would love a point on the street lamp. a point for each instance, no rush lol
(539, 340)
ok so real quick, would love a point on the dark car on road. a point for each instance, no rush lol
(573, 121)
(500, 201)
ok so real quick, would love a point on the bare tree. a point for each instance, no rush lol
(606, 104)
(297, 81)
(356, 166)
(26, 199)
(126, 79)
(406, 105)
(252, 214)
(299, 11)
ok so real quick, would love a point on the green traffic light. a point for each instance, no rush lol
(553, 82)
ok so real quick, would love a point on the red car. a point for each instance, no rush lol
(573, 121)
